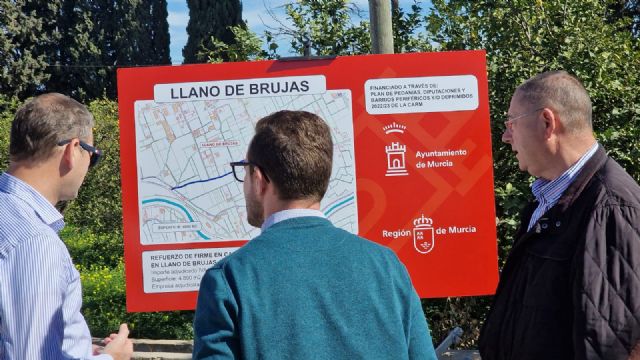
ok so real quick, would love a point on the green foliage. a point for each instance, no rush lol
(629, 9)
(103, 289)
(72, 24)
(248, 46)
(99, 206)
(329, 26)
(524, 38)
(22, 65)
(89, 249)
(73, 46)
(8, 107)
(159, 26)
(407, 34)
(210, 23)
(464, 312)
(103, 34)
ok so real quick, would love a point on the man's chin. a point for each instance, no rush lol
(255, 222)
(521, 166)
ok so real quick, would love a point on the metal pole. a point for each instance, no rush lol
(381, 28)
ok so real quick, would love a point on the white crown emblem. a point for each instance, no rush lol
(394, 128)
(423, 222)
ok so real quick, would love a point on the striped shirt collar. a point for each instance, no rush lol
(548, 192)
(289, 214)
(46, 212)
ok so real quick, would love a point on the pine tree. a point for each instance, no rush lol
(75, 67)
(23, 66)
(159, 30)
(210, 19)
(97, 36)
(136, 34)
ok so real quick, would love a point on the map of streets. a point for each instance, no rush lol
(186, 189)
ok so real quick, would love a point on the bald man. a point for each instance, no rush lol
(570, 288)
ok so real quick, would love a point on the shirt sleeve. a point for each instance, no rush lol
(45, 303)
(420, 342)
(214, 325)
(607, 285)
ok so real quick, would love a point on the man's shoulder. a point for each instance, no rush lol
(27, 240)
(296, 239)
(18, 217)
(321, 228)
(615, 186)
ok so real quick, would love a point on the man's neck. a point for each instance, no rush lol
(280, 205)
(36, 175)
(567, 154)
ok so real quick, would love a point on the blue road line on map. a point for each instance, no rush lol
(178, 206)
(201, 181)
(350, 198)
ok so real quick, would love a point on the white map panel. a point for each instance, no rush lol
(186, 190)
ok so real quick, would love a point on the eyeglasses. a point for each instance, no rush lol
(93, 151)
(239, 171)
(511, 119)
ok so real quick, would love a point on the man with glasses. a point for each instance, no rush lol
(570, 288)
(40, 297)
(304, 289)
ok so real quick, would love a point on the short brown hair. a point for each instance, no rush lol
(43, 121)
(563, 93)
(295, 150)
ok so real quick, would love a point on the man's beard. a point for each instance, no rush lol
(254, 211)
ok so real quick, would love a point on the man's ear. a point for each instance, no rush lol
(260, 182)
(551, 122)
(68, 157)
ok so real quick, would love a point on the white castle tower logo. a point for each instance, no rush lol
(395, 160)
(423, 235)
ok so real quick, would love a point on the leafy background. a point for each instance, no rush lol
(595, 40)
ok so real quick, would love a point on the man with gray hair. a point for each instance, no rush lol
(40, 298)
(570, 288)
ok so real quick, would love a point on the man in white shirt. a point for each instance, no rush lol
(40, 299)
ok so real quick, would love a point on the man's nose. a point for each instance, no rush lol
(506, 136)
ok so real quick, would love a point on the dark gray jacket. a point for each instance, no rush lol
(570, 288)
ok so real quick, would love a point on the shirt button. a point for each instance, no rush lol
(558, 223)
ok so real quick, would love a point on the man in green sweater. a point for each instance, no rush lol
(304, 289)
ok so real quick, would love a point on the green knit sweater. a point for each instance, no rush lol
(305, 289)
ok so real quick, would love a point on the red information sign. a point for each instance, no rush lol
(412, 165)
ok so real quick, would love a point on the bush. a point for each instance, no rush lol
(103, 290)
(8, 108)
(99, 204)
(89, 249)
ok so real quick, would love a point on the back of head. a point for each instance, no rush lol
(295, 150)
(43, 121)
(564, 94)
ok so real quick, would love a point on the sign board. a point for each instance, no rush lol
(412, 165)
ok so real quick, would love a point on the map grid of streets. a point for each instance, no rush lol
(186, 190)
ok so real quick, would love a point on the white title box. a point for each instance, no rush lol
(421, 94)
(245, 88)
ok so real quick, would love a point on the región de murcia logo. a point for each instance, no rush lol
(423, 235)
